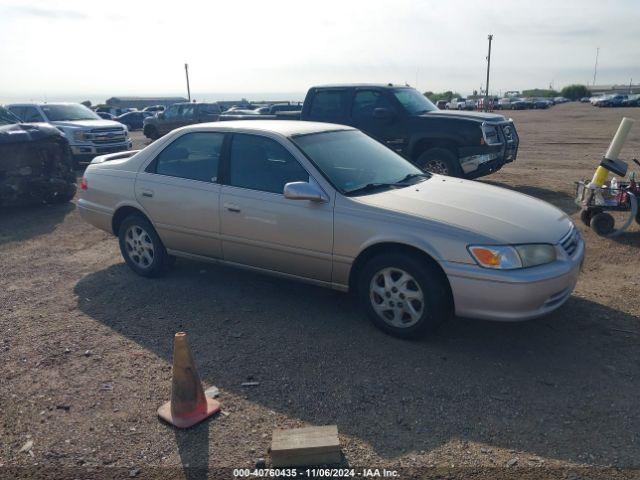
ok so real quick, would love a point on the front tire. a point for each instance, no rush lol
(441, 161)
(404, 295)
(151, 133)
(141, 246)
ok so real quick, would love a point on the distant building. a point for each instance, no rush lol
(142, 102)
(613, 89)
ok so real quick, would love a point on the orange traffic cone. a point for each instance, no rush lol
(188, 404)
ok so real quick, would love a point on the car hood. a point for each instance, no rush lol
(27, 132)
(87, 124)
(478, 116)
(484, 210)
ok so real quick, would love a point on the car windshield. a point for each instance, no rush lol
(351, 161)
(7, 118)
(413, 101)
(57, 113)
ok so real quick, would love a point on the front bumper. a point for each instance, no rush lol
(480, 161)
(513, 295)
(86, 153)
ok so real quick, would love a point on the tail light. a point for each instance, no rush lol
(83, 184)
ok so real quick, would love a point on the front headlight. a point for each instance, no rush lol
(533, 255)
(504, 257)
(79, 136)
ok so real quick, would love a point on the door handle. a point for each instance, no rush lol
(147, 193)
(232, 208)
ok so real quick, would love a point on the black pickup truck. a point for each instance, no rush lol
(456, 143)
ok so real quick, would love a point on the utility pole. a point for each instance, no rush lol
(186, 71)
(486, 92)
(595, 67)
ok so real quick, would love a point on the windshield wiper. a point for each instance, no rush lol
(369, 187)
(411, 176)
(400, 183)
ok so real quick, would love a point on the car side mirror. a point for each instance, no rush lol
(304, 191)
(382, 113)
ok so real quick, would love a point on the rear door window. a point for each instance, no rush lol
(194, 156)
(329, 104)
(18, 112)
(171, 112)
(186, 111)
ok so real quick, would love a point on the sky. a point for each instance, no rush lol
(79, 49)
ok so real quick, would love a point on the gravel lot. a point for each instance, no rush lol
(85, 354)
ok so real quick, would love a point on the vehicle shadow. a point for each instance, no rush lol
(561, 387)
(23, 223)
(562, 200)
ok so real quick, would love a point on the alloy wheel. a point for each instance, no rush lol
(396, 297)
(139, 246)
(436, 166)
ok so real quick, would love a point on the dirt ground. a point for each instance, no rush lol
(86, 345)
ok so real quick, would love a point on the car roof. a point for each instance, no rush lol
(286, 128)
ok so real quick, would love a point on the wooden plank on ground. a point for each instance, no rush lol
(305, 446)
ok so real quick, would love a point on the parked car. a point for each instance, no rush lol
(504, 104)
(106, 116)
(280, 107)
(559, 100)
(247, 111)
(585, 99)
(463, 144)
(631, 101)
(179, 115)
(610, 101)
(441, 104)
(134, 120)
(236, 108)
(455, 104)
(540, 103)
(154, 108)
(87, 133)
(470, 104)
(115, 111)
(327, 204)
(518, 104)
(35, 163)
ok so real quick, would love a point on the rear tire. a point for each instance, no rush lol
(141, 246)
(587, 214)
(404, 295)
(440, 160)
(603, 224)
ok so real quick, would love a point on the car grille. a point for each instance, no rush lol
(106, 136)
(570, 241)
